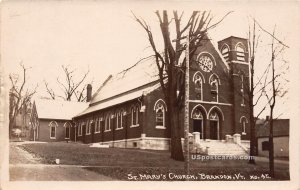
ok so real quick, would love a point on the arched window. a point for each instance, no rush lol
(225, 51)
(88, 127)
(160, 112)
(98, 125)
(53, 126)
(240, 52)
(67, 126)
(134, 116)
(107, 122)
(243, 121)
(214, 87)
(80, 128)
(198, 85)
(242, 91)
(119, 116)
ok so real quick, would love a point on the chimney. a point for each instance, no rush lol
(267, 118)
(88, 92)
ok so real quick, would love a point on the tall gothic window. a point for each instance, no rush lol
(107, 122)
(67, 126)
(214, 87)
(119, 116)
(160, 114)
(98, 125)
(198, 86)
(242, 91)
(134, 116)
(243, 121)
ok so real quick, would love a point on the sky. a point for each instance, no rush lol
(103, 37)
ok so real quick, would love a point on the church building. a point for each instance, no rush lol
(128, 110)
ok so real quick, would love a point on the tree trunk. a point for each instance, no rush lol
(176, 146)
(271, 147)
(253, 141)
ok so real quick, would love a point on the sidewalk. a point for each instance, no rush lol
(25, 167)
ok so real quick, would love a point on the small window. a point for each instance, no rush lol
(53, 126)
(265, 145)
(80, 128)
(53, 132)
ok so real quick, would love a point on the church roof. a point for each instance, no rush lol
(124, 86)
(58, 109)
(138, 75)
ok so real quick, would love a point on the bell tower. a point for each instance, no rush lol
(235, 52)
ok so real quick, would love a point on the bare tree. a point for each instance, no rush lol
(20, 95)
(276, 90)
(272, 86)
(171, 65)
(71, 87)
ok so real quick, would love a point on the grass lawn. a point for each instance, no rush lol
(135, 164)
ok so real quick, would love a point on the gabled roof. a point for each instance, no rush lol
(280, 128)
(138, 75)
(57, 109)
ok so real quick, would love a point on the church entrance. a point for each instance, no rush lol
(214, 130)
(198, 127)
(198, 122)
(214, 125)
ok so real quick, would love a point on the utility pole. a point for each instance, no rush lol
(186, 108)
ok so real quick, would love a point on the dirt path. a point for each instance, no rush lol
(25, 167)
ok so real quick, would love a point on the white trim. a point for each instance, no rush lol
(240, 62)
(222, 47)
(158, 101)
(199, 105)
(219, 109)
(119, 129)
(242, 118)
(243, 47)
(65, 126)
(206, 52)
(53, 125)
(203, 79)
(205, 102)
(160, 127)
(219, 81)
(132, 126)
(163, 109)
